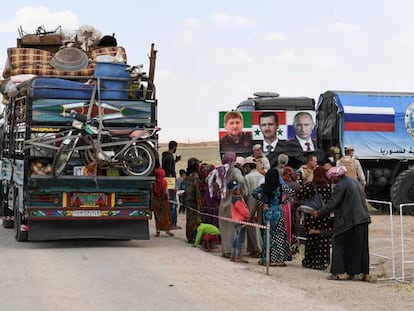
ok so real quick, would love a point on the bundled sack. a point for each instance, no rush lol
(315, 202)
(36, 61)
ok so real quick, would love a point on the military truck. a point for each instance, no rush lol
(379, 125)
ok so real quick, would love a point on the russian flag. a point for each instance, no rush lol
(369, 119)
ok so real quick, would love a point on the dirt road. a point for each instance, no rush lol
(312, 287)
(166, 273)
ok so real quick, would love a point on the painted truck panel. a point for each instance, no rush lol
(384, 120)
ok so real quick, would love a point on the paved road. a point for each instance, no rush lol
(161, 274)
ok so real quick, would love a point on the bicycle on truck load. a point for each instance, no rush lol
(131, 150)
(101, 187)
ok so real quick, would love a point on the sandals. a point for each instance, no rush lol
(157, 234)
(339, 277)
(361, 277)
(241, 260)
(257, 254)
(169, 233)
(272, 264)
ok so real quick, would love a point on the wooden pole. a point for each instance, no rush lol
(151, 74)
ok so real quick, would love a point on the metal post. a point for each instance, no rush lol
(267, 247)
(402, 244)
(392, 241)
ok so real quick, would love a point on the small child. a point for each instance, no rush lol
(181, 188)
(209, 234)
(239, 211)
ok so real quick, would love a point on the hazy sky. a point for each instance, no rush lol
(214, 54)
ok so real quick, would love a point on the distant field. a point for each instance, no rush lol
(208, 152)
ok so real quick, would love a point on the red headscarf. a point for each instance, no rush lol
(319, 176)
(160, 185)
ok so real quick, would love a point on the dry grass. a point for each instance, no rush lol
(406, 288)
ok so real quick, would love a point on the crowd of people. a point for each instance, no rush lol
(231, 205)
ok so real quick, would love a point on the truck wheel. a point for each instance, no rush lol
(1, 200)
(402, 191)
(8, 221)
(139, 160)
(20, 235)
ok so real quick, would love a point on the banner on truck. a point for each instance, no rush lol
(239, 131)
(379, 126)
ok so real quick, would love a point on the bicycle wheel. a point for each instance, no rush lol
(139, 160)
(62, 158)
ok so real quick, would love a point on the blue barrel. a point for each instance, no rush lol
(114, 80)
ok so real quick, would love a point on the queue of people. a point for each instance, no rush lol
(240, 199)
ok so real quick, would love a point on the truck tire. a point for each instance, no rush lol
(1, 199)
(8, 221)
(402, 191)
(139, 160)
(20, 235)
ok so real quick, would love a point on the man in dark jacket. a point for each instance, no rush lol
(168, 164)
(350, 251)
(302, 145)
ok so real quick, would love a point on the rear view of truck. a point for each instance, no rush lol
(93, 194)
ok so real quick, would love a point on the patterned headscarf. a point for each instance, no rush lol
(160, 185)
(336, 171)
(229, 158)
(288, 174)
(219, 175)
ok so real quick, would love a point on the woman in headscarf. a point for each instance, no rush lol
(160, 205)
(219, 178)
(192, 198)
(210, 202)
(350, 251)
(269, 197)
(318, 231)
(288, 178)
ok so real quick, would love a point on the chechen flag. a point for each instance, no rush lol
(257, 134)
(372, 119)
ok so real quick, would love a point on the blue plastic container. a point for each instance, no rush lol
(114, 80)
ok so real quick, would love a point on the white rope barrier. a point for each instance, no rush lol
(245, 223)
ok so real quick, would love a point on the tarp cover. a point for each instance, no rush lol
(379, 125)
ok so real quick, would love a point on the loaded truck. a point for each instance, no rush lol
(379, 125)
(79, 141)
